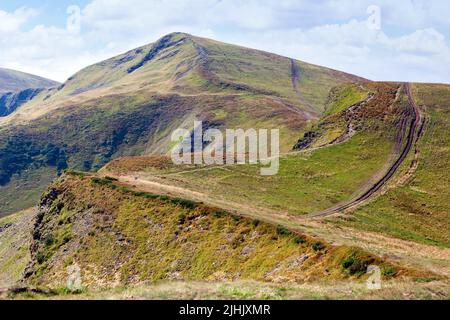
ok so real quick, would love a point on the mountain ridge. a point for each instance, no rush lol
(199, 67)
(12, 81)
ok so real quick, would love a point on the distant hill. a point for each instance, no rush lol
(15, 81)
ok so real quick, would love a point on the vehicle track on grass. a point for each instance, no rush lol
(414, 133)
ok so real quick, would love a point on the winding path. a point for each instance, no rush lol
(413, 134)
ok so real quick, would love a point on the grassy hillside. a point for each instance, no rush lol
(308, 181)
(342, 97)
(130, 104)
(186, 65)
(120, 237)
(417, 209)
(15, 81)
(251, 290)
(406, 219)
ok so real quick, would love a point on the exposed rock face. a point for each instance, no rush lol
(9, 102)
(306, 141)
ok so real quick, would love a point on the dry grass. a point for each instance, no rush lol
(249, 290)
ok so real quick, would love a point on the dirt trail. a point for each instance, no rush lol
(158, 185)
(295, 75)
(413, 134)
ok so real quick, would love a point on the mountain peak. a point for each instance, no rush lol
(185, 65)
(167, 41)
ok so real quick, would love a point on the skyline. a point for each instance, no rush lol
(378, 40)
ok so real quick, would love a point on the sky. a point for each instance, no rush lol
(402, 40)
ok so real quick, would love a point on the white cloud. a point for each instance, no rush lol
(422, 41)
(11, 21)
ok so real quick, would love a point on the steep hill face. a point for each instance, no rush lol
(118, 237)
(15, 81)
(10, 101)
(130, 104)
(15, 239)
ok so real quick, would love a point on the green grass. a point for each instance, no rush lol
(271, 73)
(306, 182)
(24, 190)
(344, 97)
(119, 236)
(14, 246)
(254, 290)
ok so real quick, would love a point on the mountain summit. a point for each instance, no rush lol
(183, 64)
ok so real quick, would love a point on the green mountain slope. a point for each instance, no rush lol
(119, 237)
(187, 65)
(343, 154)
(141, 219)
(308, 181)
(418, 208)
(130, 104)
(413, 206)
(15, 239)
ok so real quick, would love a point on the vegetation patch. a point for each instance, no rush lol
(418, 209)
(148, 239)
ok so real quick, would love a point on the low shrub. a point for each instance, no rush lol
(318, 246)
(283, 231)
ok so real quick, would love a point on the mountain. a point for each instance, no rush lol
(129, 104)
(362, 182)
(15, 81)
